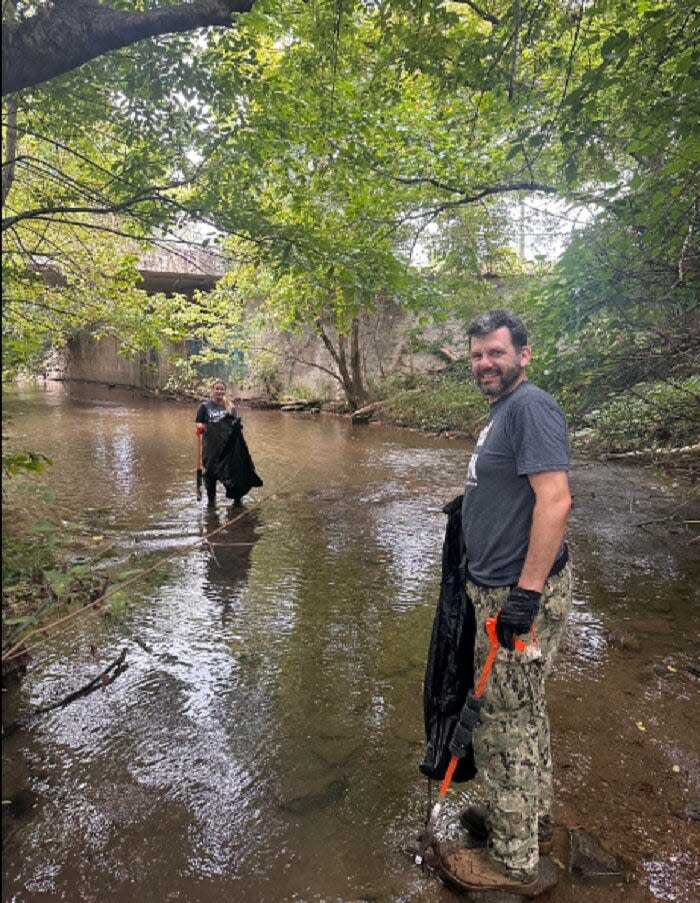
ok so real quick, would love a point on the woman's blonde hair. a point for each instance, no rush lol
(228, 404)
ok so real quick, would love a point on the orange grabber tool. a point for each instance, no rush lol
(427, 838)
(198, 430)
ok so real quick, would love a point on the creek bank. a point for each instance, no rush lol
(36, 599)
(43, 599)
(684, 460)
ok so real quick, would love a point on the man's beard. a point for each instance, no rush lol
(505, 379)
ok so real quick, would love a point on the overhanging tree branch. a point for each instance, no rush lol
(481, 190)
(301, 360)
(149, 194)
(62, 36)
(486, 191)
(464, 198)
(489, 17)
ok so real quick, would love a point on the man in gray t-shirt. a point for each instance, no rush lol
(514, 514)
(525, 435)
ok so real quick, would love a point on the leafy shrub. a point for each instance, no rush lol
(264, 374)
(648, 415)
(445, 403)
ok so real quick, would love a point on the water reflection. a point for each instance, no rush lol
(124, 462)
(230, 551)
(408, 552)
(585, 642)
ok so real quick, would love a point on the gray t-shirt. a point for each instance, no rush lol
(525, 433)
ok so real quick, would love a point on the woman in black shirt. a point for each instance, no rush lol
(215, 421)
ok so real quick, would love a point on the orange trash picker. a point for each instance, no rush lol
(199, 429)
(427, 839)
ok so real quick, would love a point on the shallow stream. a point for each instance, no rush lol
(263, 744)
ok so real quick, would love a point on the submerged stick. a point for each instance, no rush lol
(103, 679)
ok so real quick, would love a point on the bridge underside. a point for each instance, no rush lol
(153, 281)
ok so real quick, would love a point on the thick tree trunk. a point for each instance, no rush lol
(356, 363)
(346, 379)
(8, 164)
(348, 362)
(64, 35)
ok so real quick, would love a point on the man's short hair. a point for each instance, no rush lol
(492, 320)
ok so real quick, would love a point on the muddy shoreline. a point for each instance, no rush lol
(632, 724)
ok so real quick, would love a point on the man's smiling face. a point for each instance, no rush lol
(497, 366)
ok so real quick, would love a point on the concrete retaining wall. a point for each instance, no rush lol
(387, 340)
(99, 360)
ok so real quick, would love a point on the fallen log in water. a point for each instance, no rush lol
(655, 452)
(301, 406)
(361, 415)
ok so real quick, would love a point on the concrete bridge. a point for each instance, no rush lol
(180, 270)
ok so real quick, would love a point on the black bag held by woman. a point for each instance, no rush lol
(234, 466)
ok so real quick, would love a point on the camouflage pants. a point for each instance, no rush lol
(511, 746)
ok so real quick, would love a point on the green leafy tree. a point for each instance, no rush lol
(621, 308)
(354, 150)
(95, 172)
(339, 148)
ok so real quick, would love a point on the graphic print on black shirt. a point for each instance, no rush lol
(210, 412)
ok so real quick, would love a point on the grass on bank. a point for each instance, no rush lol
(44, 579)
(648, 416)
(51, 568)
(448, 402)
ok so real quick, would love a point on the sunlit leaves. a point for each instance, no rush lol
(344, 149)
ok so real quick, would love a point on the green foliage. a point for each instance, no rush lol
(648, 415)
(116, 605)
(446, 403)
(102, 158)
(345, 153)
(14, 463)
(37, 580)
(29, 554)
(301, 392)
(620, 309)
(264, 373)
(43, 580)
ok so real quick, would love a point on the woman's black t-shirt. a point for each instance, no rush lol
(219, 424)
(210, 412)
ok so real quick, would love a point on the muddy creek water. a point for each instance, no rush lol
(264, 742)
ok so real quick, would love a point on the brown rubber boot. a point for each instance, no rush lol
(474, 870)
(474, 820)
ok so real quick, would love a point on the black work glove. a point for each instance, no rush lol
(517, 615)
(469, 717)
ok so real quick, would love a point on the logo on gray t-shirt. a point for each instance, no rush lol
(471, 471)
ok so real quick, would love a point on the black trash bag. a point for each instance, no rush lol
(449, 670)
(234, 466)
